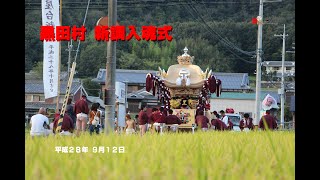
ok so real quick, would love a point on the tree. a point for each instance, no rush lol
(33, 45)
(231, 22)
(129, 61)
(92, 88)
(38, 69)
(92, 57)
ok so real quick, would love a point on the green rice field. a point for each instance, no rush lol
(228, 155)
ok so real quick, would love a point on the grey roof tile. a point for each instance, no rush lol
(37, 105)
(233, 80)
(229, 80)
(36, 86)
(141, 94)
(125, 75)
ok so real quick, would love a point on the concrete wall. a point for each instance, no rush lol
(239, 105)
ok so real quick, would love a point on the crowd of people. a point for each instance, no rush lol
(77, 119)
(80, 118)
(220, 122)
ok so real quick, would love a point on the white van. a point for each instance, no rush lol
(235, 119)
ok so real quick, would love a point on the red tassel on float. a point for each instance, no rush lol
(218, 87)
(212, 84)
(154, 87)
(149, 82)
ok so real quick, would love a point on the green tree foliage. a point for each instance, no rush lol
(38, 69)
(92, 58)
(92, 88)
(129, 61)
(33, 45)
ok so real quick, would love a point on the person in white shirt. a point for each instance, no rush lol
(224, 118)
(39, 122)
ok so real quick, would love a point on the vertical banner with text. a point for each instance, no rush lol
(50, 17)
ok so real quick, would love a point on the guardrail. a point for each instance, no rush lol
(289, 125)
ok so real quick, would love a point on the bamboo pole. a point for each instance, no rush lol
(58, 90)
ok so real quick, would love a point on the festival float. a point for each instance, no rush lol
(184, 88)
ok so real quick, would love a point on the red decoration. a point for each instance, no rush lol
(212, 84)
(154, 87)
(229, 110)
(207, 106)
(254, 20)
(218, 87)
(149, 82)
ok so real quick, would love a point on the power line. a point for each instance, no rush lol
(221, 39)
(84, 22)
(225, 43)
(125, 4)
(228, 43)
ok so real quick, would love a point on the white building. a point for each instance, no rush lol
(276, 66)
(240, 102)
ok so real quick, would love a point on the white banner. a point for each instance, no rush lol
(121, 91)
(122, 115)
(50, 17)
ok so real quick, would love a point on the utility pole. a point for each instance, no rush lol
(126, 100)
(282, 75)
(110, 72)
(69, 57)
(59, 81)
(259, 61)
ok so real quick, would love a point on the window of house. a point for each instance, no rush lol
(28, 98)
(42, 99)
(288, 68)
(36, 98)
(276, 68)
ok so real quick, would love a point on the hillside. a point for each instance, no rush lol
(218, 33)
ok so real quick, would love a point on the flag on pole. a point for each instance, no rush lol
(269, 102)
(50, 17)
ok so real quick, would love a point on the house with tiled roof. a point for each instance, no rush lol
(136, 82)
(276, 67)
(141, 97)
(135, 79)
(234, 82)
(34, 95)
